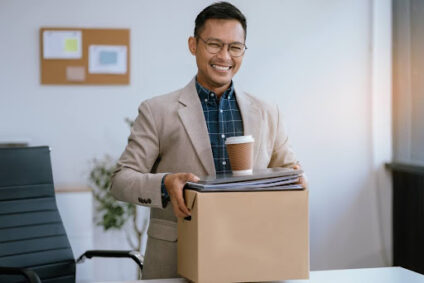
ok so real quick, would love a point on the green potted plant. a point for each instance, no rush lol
(112, 214)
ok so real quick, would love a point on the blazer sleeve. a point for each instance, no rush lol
(133, 181)
(282, 153)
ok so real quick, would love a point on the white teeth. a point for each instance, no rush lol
(221, 68)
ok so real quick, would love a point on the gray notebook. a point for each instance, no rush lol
(269, 179)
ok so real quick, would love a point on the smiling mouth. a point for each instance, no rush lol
(221, 68)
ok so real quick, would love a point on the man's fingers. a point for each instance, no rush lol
(177, 210)
(178, 204)
(303, 181)
(189, 177)
(181, 205)
(180, 213)
(175, 185)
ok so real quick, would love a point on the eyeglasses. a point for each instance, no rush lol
(213, 46)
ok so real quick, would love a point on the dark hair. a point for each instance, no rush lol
(219, 10)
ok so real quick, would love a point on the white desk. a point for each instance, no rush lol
(363, 275)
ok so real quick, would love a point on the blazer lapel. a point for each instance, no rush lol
(192, 117)
(252, 119)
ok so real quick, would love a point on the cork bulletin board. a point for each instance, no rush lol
(78, 56)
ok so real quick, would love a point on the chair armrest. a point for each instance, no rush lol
(136, 256)
(30, 275)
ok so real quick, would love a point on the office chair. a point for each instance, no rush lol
(33, 242)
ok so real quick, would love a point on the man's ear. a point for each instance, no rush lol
(192, 45)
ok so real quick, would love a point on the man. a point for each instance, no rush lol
(181, 135)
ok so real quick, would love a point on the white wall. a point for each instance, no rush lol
(316, 59)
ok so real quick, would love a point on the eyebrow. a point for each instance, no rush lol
(217, 39)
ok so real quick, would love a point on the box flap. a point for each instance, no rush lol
(190, 198)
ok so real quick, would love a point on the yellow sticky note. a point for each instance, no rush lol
(71, 45)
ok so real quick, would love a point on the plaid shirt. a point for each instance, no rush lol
(223, 119)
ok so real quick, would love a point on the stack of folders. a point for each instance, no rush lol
(270, 179)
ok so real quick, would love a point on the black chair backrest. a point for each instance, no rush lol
(31, 230)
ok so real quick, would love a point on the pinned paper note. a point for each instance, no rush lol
(71, 45)
(59, 44)
(107, 59)
(75, 73)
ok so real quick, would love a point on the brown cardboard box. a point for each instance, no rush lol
(244, 236)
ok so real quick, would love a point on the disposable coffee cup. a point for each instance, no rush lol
(240, 153)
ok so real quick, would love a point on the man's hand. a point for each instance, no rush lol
(302, 180)
(174, 184)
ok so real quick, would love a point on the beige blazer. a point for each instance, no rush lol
(170, 135)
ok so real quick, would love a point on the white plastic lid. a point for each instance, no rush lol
(239, 139)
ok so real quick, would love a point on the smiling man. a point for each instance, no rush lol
(219, 48)
(181, 135)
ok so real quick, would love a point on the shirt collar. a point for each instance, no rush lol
(205, 93)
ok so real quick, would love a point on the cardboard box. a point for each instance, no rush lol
(244, 236)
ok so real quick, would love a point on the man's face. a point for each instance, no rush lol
(215, 71)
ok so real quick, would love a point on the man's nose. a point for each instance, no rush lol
(224, 52)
